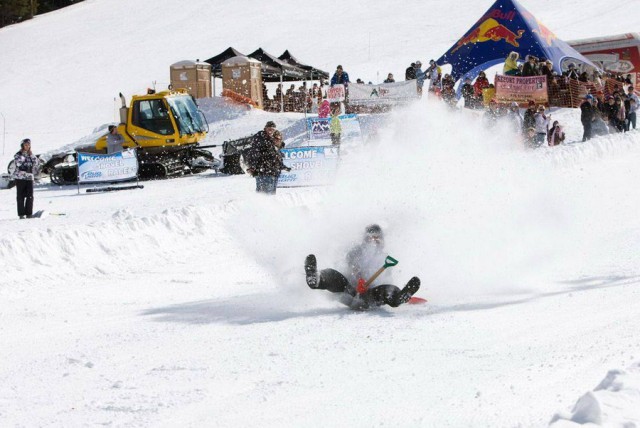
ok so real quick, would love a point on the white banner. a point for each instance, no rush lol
(336, 93)
(384, 93)
(310, 166)
(97, 168)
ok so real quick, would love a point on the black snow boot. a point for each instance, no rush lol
(409, 290)
(311, 270)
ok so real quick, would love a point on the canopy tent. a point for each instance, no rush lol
(314, 73)
(507, 26)
(274, 70)
(216, 61)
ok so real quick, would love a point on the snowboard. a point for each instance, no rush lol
(40, 214)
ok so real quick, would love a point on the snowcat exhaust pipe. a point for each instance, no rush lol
(124, 111)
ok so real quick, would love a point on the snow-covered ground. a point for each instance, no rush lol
(184, 303)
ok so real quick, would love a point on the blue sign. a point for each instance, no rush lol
(310, 166)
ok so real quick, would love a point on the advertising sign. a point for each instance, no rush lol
(384, 93)
(310, 166)
(319, 128)
(97, 168)
(522, 89)
(336, 93)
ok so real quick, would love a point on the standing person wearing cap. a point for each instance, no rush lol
(27, 166)
(587, 116)
(362, 262)
(264, 160)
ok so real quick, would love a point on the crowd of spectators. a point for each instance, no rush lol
(600, 114)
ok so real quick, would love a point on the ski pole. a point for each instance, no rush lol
(364, 285)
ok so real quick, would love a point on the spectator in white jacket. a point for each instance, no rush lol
(542, 125)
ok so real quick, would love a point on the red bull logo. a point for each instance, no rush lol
(546, 34)
(492, 30)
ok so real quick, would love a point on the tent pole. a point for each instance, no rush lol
(281, 96)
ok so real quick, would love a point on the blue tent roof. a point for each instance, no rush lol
(506, 27)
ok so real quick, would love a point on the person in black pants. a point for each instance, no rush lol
(362, 261)
(587, 112)
(26, 168)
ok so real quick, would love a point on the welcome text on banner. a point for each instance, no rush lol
(97, 168)
(522, 89)
(310, 166)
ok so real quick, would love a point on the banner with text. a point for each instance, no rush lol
(384, 93)
(96, 168)
(522, 89)
(319, 128)
(310, 166)
(336, 93)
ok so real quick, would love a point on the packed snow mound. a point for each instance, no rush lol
(615, 402)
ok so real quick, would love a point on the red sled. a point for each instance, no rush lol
(417, 301)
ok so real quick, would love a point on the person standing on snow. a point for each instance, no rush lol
(587, 113)
(420, 76)
(114, 140)
(542, 125)
(434, 74)
(362, 262)
(264, 160)
(529, 120)
(335, 127)
(27, 167)
(341, 77)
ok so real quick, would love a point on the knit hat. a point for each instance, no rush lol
(270, 124)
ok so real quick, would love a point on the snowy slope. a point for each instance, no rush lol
(184, 304)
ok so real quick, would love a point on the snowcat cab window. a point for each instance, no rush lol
(190, 120)
(153, 116)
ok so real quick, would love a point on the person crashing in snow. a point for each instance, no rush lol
(362, 262)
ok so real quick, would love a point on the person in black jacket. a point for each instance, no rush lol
(529, 120)
(410, 74)
(468, 94)
(571, 72)
(27, 165)
(587, 116)
(530, 67)
(264, 160)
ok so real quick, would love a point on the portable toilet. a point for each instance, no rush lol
(243, 76)
(193, 76)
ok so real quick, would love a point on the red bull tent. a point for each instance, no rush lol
(505, 28)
